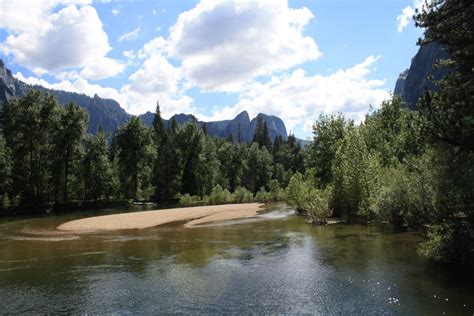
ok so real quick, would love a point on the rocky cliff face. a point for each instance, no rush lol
(414, 81)
(225, 128)
(7, 83)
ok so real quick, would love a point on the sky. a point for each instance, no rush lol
(294, 59)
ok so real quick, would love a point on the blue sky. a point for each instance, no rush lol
(294, 59)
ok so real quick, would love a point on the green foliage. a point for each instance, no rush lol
(68, 139)
(275, 191)
(233, 164)
(29, 126)
(220, 196)
(328, 131)
(134, 157)
(393, 131)
(259, 170)
(263, 196)
(166, 166)
(5, 171)
(450, 242)
(99, 179)
(189, 140)
(449, 128)
(316, 203)
(242, 195)
(356, 172)
(449, 111)
(288, 159)
(408, 193)
(188, 200)
(302, 194)
(47, 158)
(209, 166)
(261, 136)
(295, 192)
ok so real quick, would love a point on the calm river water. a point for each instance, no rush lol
(276, 264)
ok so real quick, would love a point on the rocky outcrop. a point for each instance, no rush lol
(414, 81)
(7, 83)
(241, 126)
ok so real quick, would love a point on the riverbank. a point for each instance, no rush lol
(146, 219)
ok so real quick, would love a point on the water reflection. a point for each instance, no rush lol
(275, 264)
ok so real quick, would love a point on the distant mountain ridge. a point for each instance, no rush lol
(415, 80)
(223, 129)
(109, 115)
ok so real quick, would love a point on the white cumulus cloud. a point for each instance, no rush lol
(299, 99)
(71, 39)
(223, 44)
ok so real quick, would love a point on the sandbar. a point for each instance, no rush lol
(146, 219)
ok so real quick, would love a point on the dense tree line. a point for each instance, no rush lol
(411, 168)
(47, 159)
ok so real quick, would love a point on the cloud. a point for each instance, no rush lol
(404, 18)
(299, 99)
(130, 35)
(223, 44)
(115, 11)
(130, 97)
(155, 79)
(408, 12)
(24, 15)
(71, 39)
(78, 85)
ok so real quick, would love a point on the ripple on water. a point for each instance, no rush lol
(50, 239)
(130, 238)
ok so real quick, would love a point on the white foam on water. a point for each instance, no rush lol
(277, 214)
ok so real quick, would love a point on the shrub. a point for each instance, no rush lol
(276, 192)
(316, 204)
(242, 195)
(295, 192)
(220, 196)
(408, 197)
(263, 196)
(450, 242)
(188, 200)
(307, 199)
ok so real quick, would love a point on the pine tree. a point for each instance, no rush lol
(29, 123)
(158, 126)
(133, 143)
(189, 140)
(261, 135)
(68, 147)
(450, 110)
(98, 177)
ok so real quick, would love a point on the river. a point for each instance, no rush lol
(277, 263)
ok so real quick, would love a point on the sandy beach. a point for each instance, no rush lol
(140, 220)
